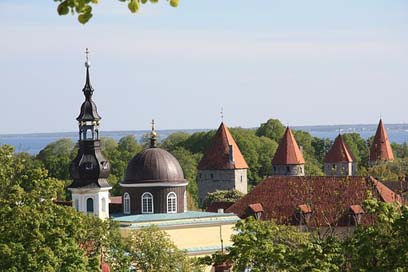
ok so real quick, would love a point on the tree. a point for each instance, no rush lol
(57, 157)
(384, 245)
(83, 8)
(272, 129)
(152, 250)
(265, 246)
(222, 195)
(38, 235)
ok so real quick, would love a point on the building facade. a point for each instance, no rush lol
(222, 167)
(339, 160)
(288, 159)
(89, 169)
(154, 182)
(380, 150)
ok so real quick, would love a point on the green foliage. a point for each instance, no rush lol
(273, 129)
(151, 249)
(384, 245)
(359, 148)
(57, 157)
(265, 246)
(305, 141)
(83, 8)
(390, 170)
(223, 195)
(38, 235)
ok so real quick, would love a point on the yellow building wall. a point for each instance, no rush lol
(195, 236)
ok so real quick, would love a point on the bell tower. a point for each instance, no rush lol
(89, 169)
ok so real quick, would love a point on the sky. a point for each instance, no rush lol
(313, 62)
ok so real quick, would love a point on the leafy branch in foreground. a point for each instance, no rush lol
(84, 7)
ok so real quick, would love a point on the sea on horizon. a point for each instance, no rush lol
(35, 142)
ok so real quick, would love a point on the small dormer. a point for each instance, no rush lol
(356, 212)
(257, 210)
(305, 212)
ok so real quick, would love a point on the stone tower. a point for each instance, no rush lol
(380, 148)
(339, 159)
(89, 169)
(288, 159)
(222, 167)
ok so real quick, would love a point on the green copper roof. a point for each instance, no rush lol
(175, 219)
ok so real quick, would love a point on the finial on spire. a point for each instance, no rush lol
(88, 90)
(222, 114)
(153, 136)
(87, 62)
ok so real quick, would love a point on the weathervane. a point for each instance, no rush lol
(222, 114)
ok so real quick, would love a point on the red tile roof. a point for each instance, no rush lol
(304, 208)
(329, 198)
(288, 151)
(381, 147)
(357, 209)
(256, 207)
(217, 157)
(339, 152)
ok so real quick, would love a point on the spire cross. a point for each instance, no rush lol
(152, 123)
(222, 114)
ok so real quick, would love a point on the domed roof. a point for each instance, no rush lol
(154, 165)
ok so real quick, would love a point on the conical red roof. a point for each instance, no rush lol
(381, 147)
(217, 157)
(339, 152)
(288, 151)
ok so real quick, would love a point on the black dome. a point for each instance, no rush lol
(153, 165)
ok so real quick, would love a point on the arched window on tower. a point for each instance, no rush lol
(89, 205)
(126, 203)
(171, 203)
(147, 203)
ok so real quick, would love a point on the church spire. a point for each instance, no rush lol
(89, 112)
(88, 90)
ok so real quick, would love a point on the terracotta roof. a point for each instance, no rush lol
(381, 147)
(398, 187)
(288, 151)
(217, 157)
(256, 207)
(339, 152)
(357, 209)
(328, 197)
(304, 208)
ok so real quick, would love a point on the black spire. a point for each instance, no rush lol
(89, 168)
(88, 109)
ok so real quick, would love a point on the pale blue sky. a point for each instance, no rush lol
(304, 62)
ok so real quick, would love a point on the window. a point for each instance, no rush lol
(147, 203)
(89, 205)
(104, 204)
(241, 178)
(171, 203)
(212, 176)
(126, 203)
